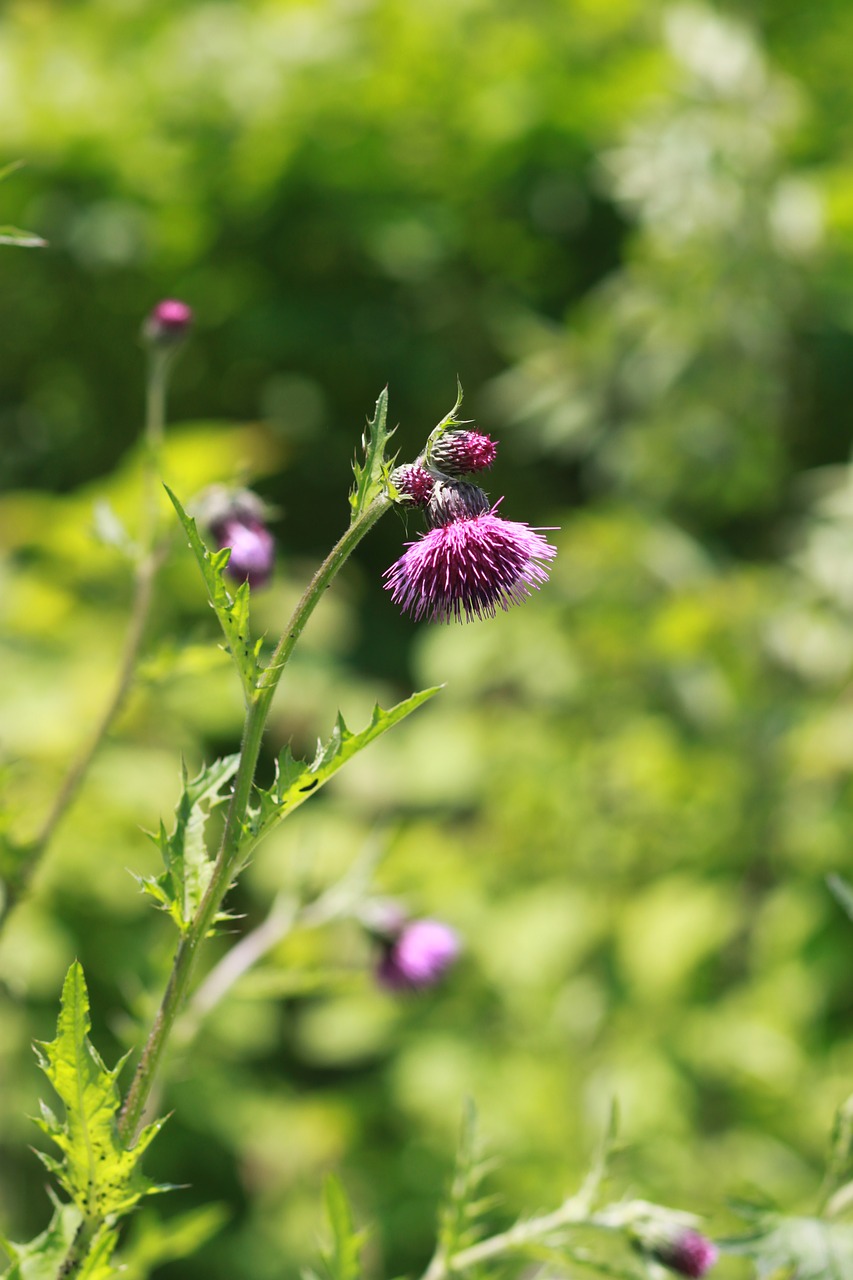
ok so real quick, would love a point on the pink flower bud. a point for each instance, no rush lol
(168, 323)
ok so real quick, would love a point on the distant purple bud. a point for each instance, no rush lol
(252, 548)
(457, 453)
(455, 500)
(414, 483)
(238, 520)
(417, 956)
(168, 323)
(469, 569)
(688, 1253)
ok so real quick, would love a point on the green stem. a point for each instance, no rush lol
(149, 557)
(229, 856)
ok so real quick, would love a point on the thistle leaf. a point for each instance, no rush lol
(371, 478)
(342, 1260)
(458, 1220)
(805, 1248)
(42, 1257)
(23, 239)
(231, 608)
(99, 1174)
(188, 866)
(296, 780)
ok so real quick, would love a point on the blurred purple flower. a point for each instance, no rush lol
(457, 453)
(252, 547)
(688, 1253)
(417, 956)
(167, 323)
(469, 568)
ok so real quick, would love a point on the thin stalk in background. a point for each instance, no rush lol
(149, 557)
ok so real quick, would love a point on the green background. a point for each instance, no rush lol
(626, 227)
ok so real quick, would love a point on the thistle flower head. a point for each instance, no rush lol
(417, 955)
(469, 568)
(458, 452)
(238, 520)
(414, 483)
(168, 323)
(687, 1254)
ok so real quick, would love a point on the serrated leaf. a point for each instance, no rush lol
(458, 1216)
(342, 1261)
(101, 1176)
(296, 780)
(42, 1257)
(188, 865)
(371, 477)
(231, 608)
(805, 1248)
(448, 422)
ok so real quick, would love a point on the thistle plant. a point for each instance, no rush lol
(469, 563)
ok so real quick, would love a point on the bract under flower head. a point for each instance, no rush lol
(455, 500)
(418, 956)
(469, 569)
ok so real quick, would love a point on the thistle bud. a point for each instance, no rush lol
(687, 1254)
(238, 521)
(168, 323)
(455, 500)
(416, 956)
(457, 453)
(413, 483)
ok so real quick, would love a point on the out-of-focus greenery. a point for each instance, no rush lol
(626, 227)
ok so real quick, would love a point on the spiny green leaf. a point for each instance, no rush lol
(342, 1260)
(232, 609)
(448, 422)
(371, 478)
(188, 865)
(101, 1176)
(458, 1219)
(805, 1248)
(296, 780)
(42, 1257)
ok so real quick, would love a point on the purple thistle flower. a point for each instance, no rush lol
(414, 482)
(417, 956)
(252, 547)
(457, 453)
(469, 568)
(167, 323)
(688, 1253)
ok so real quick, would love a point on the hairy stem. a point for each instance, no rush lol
(232, 846)
(149, 558)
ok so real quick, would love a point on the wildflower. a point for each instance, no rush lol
(237, 520)
(457, 453)
(414, 483)
(468, 568)
(416, 955)
(168, 323)
(688, 1253)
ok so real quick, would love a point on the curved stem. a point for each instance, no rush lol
(149, 558)
(229, 856)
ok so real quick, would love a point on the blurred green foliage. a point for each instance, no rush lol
(626, 227)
